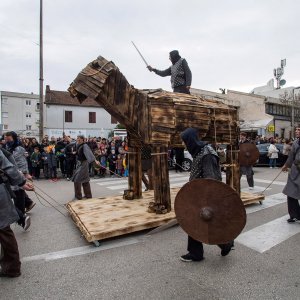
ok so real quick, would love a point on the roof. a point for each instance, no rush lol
(63, 98)
(19, 95)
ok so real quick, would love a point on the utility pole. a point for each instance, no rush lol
(41, 133)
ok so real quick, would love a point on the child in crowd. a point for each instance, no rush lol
(45, 163)
(35, 162)
(112, 158)
(125, 165)
(119, 165)
(52, 162)
(103, 161)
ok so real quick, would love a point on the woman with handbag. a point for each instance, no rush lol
(273, 155)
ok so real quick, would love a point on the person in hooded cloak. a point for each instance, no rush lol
(205, 165)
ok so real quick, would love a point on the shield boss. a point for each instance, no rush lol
(210, 211)
(249, 154)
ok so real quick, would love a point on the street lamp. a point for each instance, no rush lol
(293, 111)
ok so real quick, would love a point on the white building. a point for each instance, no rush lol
(251, 109)
(19, 112)
(65, 114)
(281, 110)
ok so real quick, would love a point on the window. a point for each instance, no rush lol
(28, 127)
(68, 116)
(28, 115)
(28, 102)
(113, 120)
(92, 117)
(5, 126)
(5, 115)
(38, 105)
(4, 100)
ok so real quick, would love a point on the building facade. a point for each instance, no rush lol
(283, 105)
(64, 114)
(263, 111)
(20, 112)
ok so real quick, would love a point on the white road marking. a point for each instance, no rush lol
(112, 182)
(269, 201)
(267, 236)
(122, 184)
(256, 189)
(266, 181)
(81, 250)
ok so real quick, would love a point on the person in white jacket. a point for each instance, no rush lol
(273, 155)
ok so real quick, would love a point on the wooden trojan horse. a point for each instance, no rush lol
(155, 118)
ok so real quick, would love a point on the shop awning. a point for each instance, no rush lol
(256, 124)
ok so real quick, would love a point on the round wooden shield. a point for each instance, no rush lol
(249, 154)
(210, 211)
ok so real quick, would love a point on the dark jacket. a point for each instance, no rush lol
(8, 214)
(205, 158)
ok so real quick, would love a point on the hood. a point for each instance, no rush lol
(190, 137)
(174, 56)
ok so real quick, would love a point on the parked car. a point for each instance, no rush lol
(186, 164)
(263, 155)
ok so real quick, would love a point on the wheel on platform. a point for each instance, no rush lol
(96, 243)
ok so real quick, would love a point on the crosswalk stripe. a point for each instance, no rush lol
(256, 189)
(112, 182)
(173, 183)
(268, 235)
(269, 201)
(267, 181)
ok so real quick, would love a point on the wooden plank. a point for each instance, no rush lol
(163, 119)
(99, 219)
(249, 198)
(102, 218)
(162, 111)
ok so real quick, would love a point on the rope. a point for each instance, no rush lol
(38, 196)
(215, 127)
(271, 182)
(58, 204)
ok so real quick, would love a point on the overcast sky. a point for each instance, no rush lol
(230, 44)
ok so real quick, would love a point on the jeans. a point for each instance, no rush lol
(272, 162)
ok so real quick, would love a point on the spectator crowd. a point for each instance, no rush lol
(55, 158)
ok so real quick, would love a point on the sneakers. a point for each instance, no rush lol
(30, 207)
(68, 179)
(27, 223)
(227, 248)
(189, 258)
(251, 188)
(291, 220)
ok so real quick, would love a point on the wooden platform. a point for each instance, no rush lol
(102, 218)
(249, 198)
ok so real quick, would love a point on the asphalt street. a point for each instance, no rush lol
(57, 262)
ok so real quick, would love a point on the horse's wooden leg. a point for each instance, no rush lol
(162, 197)
(135, 174)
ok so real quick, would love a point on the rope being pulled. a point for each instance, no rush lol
(262, 193)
